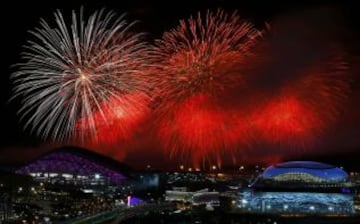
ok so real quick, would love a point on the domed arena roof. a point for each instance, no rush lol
(305, 171)
(77, 161)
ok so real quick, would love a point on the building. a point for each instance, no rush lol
(300, 187)
(200, 197)
(74, 166)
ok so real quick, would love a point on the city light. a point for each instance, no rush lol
(193, 190)
(129, 201)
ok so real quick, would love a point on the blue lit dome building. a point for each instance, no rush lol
(300, 187)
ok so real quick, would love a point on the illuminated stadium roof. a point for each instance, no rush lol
(304, 171)
(77, 162)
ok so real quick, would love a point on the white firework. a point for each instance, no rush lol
(67, 72)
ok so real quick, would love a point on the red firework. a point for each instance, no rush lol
(200, 128)
(198, 64)
(117, 122)
(205, 54)
(287, 119)
(304, 107)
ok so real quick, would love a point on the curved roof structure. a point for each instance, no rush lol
(307, 171)
(77, 161)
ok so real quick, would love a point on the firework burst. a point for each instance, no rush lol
(204, 54)
(303, 108)
(201, 129)
(198, 64)
(69, 72)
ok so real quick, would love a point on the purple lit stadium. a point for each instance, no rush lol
(75, 166)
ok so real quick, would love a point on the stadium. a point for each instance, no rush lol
(75, 166)
(300, 187)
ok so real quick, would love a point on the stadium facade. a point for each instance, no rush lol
(300, 187)
(75, 166)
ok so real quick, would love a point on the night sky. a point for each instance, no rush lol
(340, 145)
